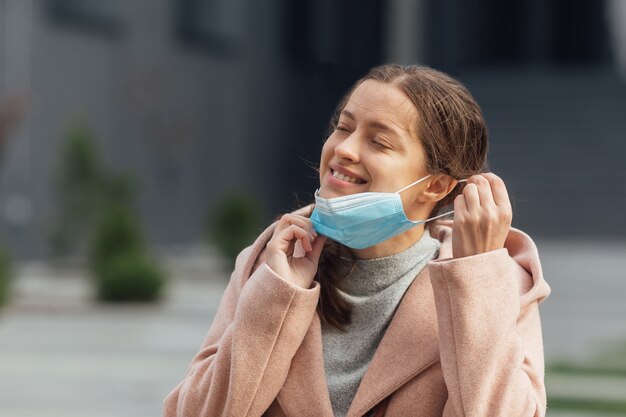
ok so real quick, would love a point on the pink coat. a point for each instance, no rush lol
(464, 341)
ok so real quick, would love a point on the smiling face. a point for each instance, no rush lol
(374, 146)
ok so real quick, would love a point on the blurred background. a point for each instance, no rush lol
(138, 137)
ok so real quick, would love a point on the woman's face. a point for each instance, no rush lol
(375, 146)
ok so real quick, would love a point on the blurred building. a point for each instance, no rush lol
(199, 98)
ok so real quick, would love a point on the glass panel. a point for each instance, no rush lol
(217, 24)
(93, 15)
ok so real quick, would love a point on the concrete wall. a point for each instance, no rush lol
(168, 112)
(192, 121)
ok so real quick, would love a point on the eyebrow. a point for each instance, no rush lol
(373, 123)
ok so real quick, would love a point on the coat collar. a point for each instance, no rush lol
(409, 346)
(305, 392)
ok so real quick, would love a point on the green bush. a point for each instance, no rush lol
(79, 182)
(86, 190)
(5, 275)
(118, 233)
(96, 216)
(129, 277)
(234, 224)
(122, 269)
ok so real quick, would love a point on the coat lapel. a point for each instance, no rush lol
(410, 345)
(305, 391)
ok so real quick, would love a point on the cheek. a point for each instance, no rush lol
(327, 152)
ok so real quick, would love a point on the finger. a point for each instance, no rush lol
(498, 189)
(287, 237)
(484, 192)
(472, 199)
(460, 207)
(318, 246)
(306, 220)
(289, 219)
(306, 242)
(305, 238)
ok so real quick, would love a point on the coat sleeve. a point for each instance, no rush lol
(246, 355)
(490, 333)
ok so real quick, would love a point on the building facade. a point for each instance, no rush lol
(201, 98)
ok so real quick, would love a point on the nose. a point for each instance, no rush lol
(348, 148)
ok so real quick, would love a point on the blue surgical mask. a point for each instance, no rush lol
(362, 220)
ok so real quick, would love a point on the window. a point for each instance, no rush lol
(91, 15)
(346, 33)
(216, 25)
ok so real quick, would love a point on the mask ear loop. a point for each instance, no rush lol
(439, 215)
(412, 184)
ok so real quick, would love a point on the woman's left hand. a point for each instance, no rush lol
(482, 216)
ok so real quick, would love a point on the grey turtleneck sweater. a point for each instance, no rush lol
(374, 289)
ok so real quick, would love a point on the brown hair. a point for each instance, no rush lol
(453, 133)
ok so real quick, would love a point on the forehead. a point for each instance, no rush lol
(377, 101)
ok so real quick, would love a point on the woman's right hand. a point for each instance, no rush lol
(280, 249)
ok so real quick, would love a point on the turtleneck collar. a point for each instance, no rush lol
(370, 276)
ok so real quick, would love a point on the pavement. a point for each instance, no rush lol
(586, 311)
(62, 354)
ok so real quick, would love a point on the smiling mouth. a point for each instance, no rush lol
(346, 178)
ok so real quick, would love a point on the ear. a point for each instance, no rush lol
(438, 186)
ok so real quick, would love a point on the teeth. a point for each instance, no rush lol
(345, 177)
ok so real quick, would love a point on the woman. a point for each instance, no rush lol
(352, 309)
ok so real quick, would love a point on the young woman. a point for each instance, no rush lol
(361, 305)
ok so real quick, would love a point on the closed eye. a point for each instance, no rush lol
(380, 144)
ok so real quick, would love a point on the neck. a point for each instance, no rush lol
(391, 246)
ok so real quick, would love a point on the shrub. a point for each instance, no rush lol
(117, 234)
(96, 216)
(234, 224)
(79, 183)
(5, 275)
(86, 190)
(129, 277)
(122, 269)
